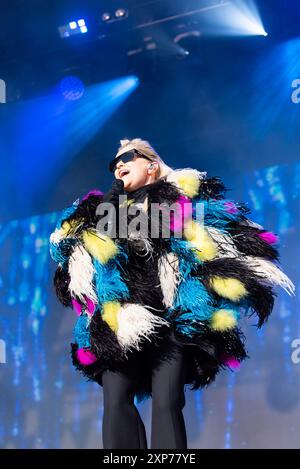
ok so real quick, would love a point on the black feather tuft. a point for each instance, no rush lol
(85, 214)
(260, 297)
(61, 282)
(104, 342)
(159, 191)
(248, 242)
(205, 350)
(211, 188)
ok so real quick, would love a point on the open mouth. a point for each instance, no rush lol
(123, 172)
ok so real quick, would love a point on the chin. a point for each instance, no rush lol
(129, 186)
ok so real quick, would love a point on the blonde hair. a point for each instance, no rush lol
(144, 147)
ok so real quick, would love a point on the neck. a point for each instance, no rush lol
(142, 190)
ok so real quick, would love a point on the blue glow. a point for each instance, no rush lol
(246, 20)
(273, 76)
(65, 127)
(231, 378)
(72, 88)
(238, 18)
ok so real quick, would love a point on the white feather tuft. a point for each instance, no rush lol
(225, 244)
(176, 174)
(173, 175)
(249, 222)
(81, 271)
(136, 323)
(169, 276)
(268, 271)
(57, 236)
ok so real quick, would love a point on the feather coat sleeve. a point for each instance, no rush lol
(238, 259)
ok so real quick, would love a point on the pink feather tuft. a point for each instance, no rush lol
(76, 306)
(230, 207)
(92, 192)
(90, 305)
(268, 237)
(86, 357)
(232, 362)
(183, 213)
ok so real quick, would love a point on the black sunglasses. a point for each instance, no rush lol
(125, 157)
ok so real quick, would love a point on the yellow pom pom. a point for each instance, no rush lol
(68, 227)
(110, 314)
(223, 319)
(187, 180)
(100, 246)
(197, 234)
(230, 288)
(65, 228)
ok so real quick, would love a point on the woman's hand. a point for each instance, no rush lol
(116, 189)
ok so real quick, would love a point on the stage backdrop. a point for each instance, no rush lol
(45, 403)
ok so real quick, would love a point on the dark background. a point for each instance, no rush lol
(224, 107)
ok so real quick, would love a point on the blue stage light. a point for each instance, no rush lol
(73, 25)
(275, 72)
(238, 18)
(246, 19)
(73, 28)
(72, 88)
(120, 13)
(66, 124)
(106, 16)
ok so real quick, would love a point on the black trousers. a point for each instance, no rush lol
(122, 426)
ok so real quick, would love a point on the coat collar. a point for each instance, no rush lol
(186, 180)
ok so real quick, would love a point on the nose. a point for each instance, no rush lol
(120, 163)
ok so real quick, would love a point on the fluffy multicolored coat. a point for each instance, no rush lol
(130, 292)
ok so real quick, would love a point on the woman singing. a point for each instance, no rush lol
(159, 270)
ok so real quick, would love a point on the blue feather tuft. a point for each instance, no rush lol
(81, 331)
(227, 304)
(56, 253)
(60, 252)
(215, 213)
(193, 305)
(188, 261)
(194, 300)
(109, 283)
(66, 213)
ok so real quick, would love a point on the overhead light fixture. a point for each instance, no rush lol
(238, 18)
(188, 43)
(106, 16)
(120, 13)
(73, 28)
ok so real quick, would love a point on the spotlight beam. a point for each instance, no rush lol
(239, 18)
(183, 15)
